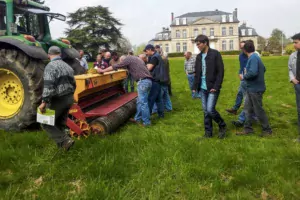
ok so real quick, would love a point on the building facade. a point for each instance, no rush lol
(222, 29)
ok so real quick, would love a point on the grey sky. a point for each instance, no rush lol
(142, 19)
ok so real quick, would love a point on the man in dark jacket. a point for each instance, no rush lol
(209, 73)
(59, 87)
(254, 78)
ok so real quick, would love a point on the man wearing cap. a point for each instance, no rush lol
(59, 87)
(155, 66)
(141, 74)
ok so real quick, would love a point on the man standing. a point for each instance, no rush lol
(114, 59)
(141, 74)
(255, 87)
(83, 61)
(209, 74)
(155, 66)
(59, 87)
(239, 97)
(144, 58)
(294, 73)
(189, 68)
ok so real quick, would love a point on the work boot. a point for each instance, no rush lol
(237, 123)
(134, 121)
(67, 144)
(245, 132)
(222, 132)
(207, 135)
(231, 111)
(266, 133)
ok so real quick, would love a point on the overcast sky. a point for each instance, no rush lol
(143, 18)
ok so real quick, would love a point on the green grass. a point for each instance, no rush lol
(166, 161)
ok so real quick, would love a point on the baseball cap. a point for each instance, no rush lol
(157, 47)
(149, 46)
(54, 50)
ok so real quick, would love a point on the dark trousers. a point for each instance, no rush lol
(156, 97)
(209, 101)
(253, 104)
(297, 91)
(61, 105)
(129, 80)
(239, 97)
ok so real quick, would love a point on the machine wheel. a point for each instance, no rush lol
(21, 87)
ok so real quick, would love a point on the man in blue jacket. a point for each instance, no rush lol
(255, 87)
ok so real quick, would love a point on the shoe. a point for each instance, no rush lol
(244, 132)
(231, 111)
(222, 132)
(134, 121)
(67, 144)
(266, 133)
(208, 135)
(237, 123)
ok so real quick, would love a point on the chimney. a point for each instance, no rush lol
(164, 29)
(235, 13)
(172, 17)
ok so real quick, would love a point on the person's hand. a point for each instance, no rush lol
(241, 77)
(295, 81)
(42, 107)
(100, 71)
(186, 73)
(212, 90)
(193, 91)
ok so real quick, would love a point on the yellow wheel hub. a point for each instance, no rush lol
(11, 94)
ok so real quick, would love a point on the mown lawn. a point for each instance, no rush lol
(166, 161)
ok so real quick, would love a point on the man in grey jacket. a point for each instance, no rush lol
(294, 73)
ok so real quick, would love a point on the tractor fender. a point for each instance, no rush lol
(69, 53)
(32, 51)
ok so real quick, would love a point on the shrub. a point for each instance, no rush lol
(177, 54)
(230, 52)
(265, 53)
(289, 49)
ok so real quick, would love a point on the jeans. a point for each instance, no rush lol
(126, 81)
(142, 106)
(253, 104)
(156, 97)
(61, 105)
(297, 91)
(239, 97)
(209, 101)
(191, 78)
(165, 98)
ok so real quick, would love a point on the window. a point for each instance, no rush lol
(230, 18)
(167, 48)
(177, 47)
(177, 21)
(184, 47)
(249, 31)
(223, 45)
(184, 21)
(223, 18)
(160, 36)
(230, 30)
(2, 18)
(243, 31)
(160, 45)
(231, 45)
(203, 31)
(195, 32)
(184, 33)
(223, 31)
(166, 36)
(212, 31)
(177, 34)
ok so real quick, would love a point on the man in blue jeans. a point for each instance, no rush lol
(189, 68)
(141, 74)
(155, 65)
(209, 74)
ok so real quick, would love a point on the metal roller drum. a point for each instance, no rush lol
(109, 123)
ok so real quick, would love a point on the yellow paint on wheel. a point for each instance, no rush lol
(11, 94)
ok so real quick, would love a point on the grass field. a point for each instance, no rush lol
(166, 161)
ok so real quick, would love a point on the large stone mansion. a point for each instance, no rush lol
(222, 28)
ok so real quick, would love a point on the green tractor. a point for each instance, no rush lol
(24, 40)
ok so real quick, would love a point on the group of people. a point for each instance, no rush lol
(151, 72)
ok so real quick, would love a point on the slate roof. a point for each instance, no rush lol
(244, 26)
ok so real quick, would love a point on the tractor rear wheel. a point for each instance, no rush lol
(21, 87)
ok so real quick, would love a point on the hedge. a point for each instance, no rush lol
(177, 54)
(265, 53)
(230, 52)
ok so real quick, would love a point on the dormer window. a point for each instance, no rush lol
(223, 18)
(230, 18)
(243, 32)
(177, 21)
(166, 36)
(184, 21)
(249, 31)
(160, 36)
